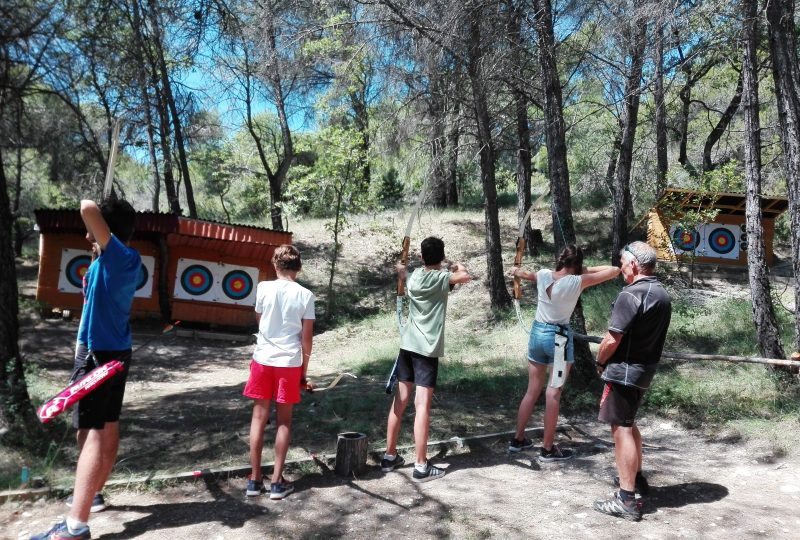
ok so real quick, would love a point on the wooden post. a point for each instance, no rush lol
(351, 453)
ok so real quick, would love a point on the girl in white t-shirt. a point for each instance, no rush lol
(285, 315)
(558, 293)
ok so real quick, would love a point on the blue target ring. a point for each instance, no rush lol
(144, 275)
(77, 268)
(722, 241)
(685, 239)
(237, 285)
(196, 280)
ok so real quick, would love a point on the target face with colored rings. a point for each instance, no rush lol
(144, 275)
(237, 285)
(686, 240)
(196, 280)
(77, 268)
(722, 241)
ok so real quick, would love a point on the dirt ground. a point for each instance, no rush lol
(700, 489)
(184, 411)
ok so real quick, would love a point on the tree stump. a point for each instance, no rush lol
(351, 453)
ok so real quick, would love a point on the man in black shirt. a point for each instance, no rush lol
(627, 361)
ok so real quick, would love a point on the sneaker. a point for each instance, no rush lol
(640, 484)
(555, 454)
(388, 465)
(615, 506)
(98, 503)
(431, 473)
(255, 488)
(519, 446)
(61, 532)
(279, 490)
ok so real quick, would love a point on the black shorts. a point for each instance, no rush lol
(413, 367)
(619, 404)
(104, 404)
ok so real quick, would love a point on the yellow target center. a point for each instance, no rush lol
(197, 280)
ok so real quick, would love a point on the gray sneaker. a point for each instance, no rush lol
(555, 454)
(388, 465)
(616, 507)
(431, 473)
(515, 445)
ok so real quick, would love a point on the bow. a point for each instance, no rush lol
(518, 259)
(401, 286)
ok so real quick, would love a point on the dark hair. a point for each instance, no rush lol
(286, 257)
(432, 250)
(120, 217)
(571, 257)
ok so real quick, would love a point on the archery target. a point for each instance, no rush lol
(722, 241)
(237, 285)
(74, 265)
(215, 282)
(685, 240)
(144, 283)
(194, 280)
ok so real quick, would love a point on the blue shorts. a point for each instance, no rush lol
(541, 345)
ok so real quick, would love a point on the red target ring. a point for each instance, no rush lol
(77, 268)
(237, 285)
(196, 280)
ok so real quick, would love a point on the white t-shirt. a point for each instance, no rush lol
(283, 305)
(558, 307)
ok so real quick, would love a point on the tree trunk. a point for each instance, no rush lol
(498, 292)
(685, 95)
(767, 334)
(146, 106)
(453, 137)
(786, 76)
(169, 99)
(722, 125)
(19, 234)
(622, 177)
(563, 228)
(561, 206)
(662, 161)
(18, 425)
(524, 157)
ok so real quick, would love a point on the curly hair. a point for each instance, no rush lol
(286, 257)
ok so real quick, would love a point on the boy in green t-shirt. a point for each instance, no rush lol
(421, 345)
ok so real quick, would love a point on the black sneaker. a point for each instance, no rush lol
(61, 532)
(279, 490)
(98, 503)
(518, 446)
(615, 506)
(555, 454)
(388, 465)
(255, 488)
(431, 473)
(641, 485)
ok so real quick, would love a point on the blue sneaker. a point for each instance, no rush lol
(255, 488)
(60, 531)
(279, 490)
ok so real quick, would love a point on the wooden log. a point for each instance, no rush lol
(794, 362)
(351, 453)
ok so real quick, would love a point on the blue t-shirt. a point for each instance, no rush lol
(108, 289)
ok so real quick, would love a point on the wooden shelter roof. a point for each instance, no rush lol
(726, 203)
(69, 220)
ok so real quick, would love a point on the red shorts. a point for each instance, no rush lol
(279, 384)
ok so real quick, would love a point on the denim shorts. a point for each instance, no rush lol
(541, 345)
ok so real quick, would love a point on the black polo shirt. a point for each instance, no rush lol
(641, 313)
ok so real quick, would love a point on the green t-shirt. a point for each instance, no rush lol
(427, 292)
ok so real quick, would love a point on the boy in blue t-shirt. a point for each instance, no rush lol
(104, 335)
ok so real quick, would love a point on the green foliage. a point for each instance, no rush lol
(389, 189)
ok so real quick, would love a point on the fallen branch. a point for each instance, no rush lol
(712, 357)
